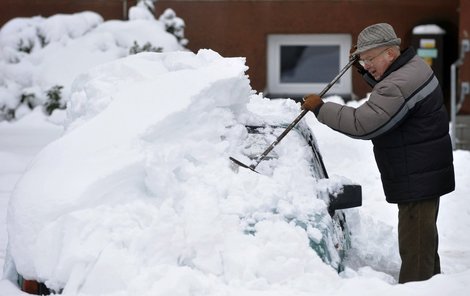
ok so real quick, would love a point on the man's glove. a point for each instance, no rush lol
(312, 102)
(356, 63)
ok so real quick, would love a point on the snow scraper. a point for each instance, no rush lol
(293, 123)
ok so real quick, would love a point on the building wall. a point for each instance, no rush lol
(240, 27)
(108, 9)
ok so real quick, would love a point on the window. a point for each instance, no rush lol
(302, 64)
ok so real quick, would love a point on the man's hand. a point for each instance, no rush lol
(356, 63)
(311, 102)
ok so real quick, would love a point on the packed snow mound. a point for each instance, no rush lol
(133, 81)
(141, 183)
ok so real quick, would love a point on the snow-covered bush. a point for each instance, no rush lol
(174, 25)
(149, 4)
(24, 44)
(54, 100)
(50, 100)
(143, 10)
(35, 51)
(147, 47)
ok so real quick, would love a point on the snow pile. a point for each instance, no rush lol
(142, 174)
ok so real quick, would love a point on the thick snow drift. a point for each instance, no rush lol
(141, 183)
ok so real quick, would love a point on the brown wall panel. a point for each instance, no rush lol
(108, 9)
(240, 27)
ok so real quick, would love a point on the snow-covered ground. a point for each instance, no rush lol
(137, 168)
(372, 262)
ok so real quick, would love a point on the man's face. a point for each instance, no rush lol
(376, 61)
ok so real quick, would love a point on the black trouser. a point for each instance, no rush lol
(418, 240)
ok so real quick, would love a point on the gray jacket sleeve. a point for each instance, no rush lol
(365, 121)
(389, 103)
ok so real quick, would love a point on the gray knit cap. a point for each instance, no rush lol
(376, 36)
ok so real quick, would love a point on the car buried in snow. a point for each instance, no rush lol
(148, 180)
(335, 239)
(327, 231)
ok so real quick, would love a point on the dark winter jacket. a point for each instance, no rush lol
(408, 124)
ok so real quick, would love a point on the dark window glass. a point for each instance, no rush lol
(309, 64)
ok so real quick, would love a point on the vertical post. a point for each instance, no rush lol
(453, 104)
(465, 47)
(124, 9)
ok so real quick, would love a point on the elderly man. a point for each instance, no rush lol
(408, 124)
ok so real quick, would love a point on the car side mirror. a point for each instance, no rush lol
(349, 197)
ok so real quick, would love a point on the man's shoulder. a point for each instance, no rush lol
(410, 76)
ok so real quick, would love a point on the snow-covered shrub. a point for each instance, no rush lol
(22, 36)
(6, 113)
(24, 45)
(136, 48)
(54, 99)
(149, 4)
(27, 48)
(174, 25)
(18, 38)
(38, 54)
(145, 9)
(141, 12)
(31, 98)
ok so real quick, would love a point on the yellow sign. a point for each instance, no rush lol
(427, 43)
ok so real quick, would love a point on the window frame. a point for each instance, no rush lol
(274, 43)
